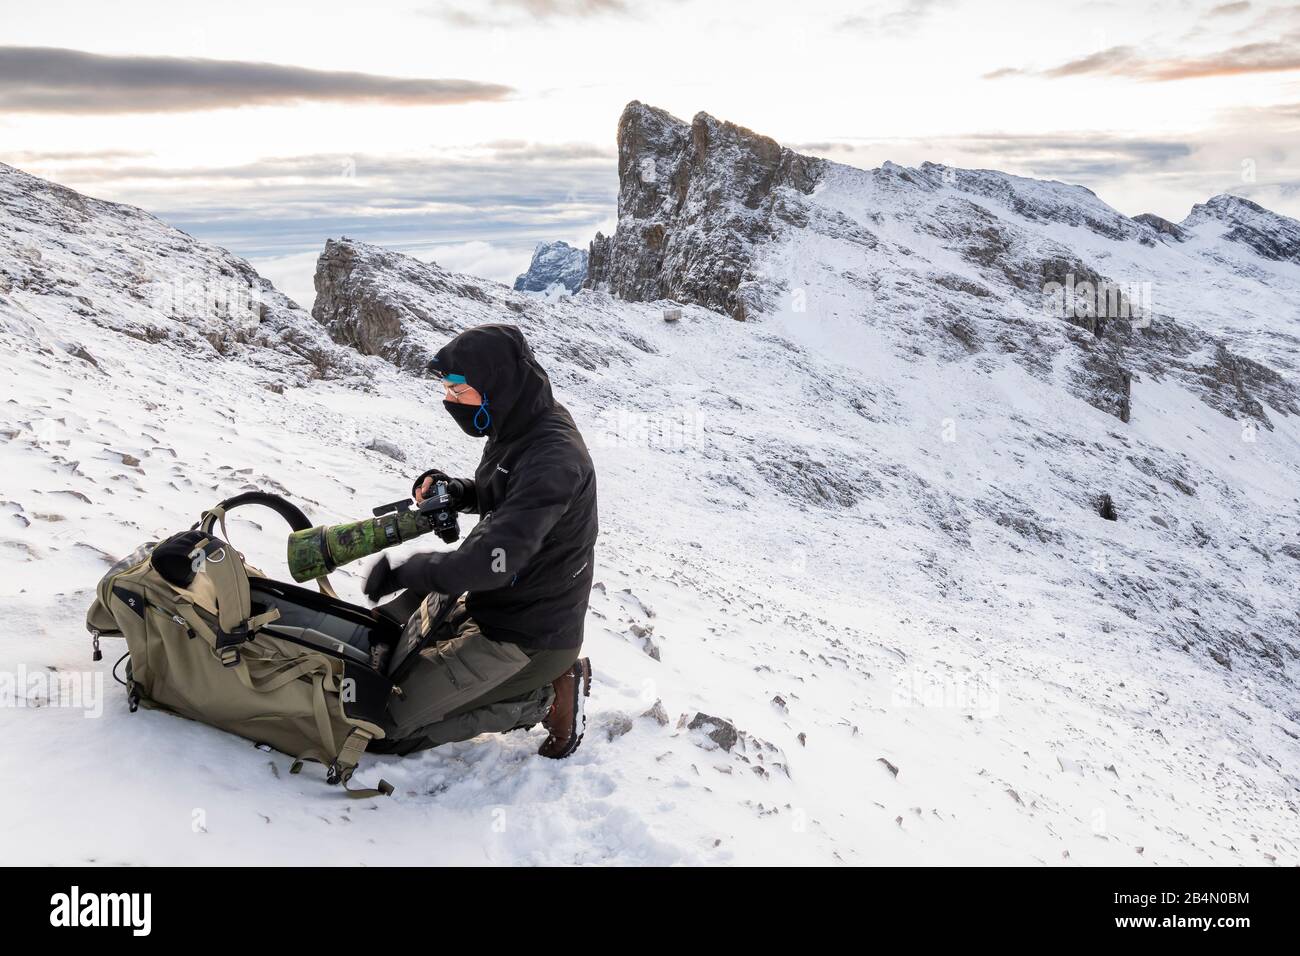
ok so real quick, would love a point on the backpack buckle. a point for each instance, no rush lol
(229, 657)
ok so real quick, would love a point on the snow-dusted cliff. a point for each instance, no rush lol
(856, 602)
(693, 202)
(958, 262)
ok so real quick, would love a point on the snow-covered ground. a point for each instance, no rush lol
(883, 567)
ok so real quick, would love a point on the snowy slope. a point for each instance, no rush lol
(870, 547)
(124, 271)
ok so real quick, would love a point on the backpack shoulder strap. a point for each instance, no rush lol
(228, 578)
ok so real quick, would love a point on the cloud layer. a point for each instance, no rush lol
(53, 80)
(1271, 56)
(511, 191)
(506, 13)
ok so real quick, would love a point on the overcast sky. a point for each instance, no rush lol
(467, 130)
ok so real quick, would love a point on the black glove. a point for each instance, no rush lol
(455, 489)
(382, 580)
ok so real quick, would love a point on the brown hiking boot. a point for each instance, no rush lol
(567, 719)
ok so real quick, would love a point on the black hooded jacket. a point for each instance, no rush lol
(528, 563)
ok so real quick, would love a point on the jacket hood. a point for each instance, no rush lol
(496, 360)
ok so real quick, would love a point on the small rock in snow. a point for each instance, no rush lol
(619, 724)
(385, 447)
(78, 351)
(721, 732)
(657, 714)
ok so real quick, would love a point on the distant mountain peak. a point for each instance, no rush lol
(554, 264)
(1268, 233)
(1227, 205)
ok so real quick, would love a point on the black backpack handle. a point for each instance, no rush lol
(286, 509)
(282, 506)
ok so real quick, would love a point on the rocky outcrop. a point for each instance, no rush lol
(1163, 226)
(695, 201)
(554, 264)
(387, 304)
(384, 303)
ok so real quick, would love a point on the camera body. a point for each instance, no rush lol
(436, 509)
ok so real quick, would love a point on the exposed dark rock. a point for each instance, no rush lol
(721, 732)
(657, 713)
(1018, 517)
(1230, 383)
(1163, 226)
(1220, 658)
(1106, 508)
(836, 482)
(959, 284)
(386, 447)
(388, 304)
(79, 351)
(360, 304)
(694, 201)
(1233, 383)
(1171, 473)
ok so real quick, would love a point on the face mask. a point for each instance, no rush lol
(474, 420)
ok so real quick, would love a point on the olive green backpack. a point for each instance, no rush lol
(213, 639)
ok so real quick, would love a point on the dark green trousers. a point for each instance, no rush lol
(470, 685)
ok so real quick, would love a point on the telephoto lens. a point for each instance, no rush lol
(316, 552)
